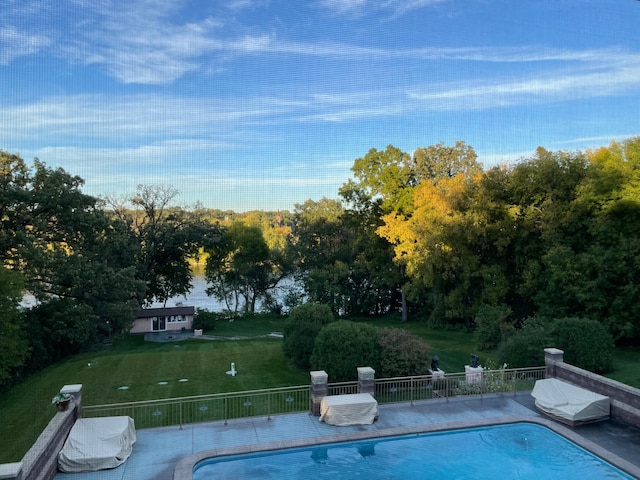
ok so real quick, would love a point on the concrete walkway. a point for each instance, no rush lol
(158, 451)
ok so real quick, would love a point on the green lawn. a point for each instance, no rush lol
(25, 410)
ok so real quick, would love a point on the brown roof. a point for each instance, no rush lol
(155, 312)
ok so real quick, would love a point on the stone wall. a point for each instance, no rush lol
(41, 461)
(625, 400)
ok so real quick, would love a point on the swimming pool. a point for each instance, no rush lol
(515, 451)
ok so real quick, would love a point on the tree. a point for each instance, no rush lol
(241, 269)
(165, 238)
(340, 259)
(385, 181)
(441, 161)
(319, 246)
(72, 258)
(13, 345)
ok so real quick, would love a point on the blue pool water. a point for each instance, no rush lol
(515, 451)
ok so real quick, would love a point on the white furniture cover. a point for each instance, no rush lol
(569, 403)
(97, 444)
(352, 409)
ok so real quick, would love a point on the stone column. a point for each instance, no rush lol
(551, 357)
(319, 390)
(367, 380)
(75, 391)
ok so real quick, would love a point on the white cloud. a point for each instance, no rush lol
(608, 77)
(359, 8)
(15, 43)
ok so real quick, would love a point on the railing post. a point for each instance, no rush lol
(225, 409)
(411, 390)
(268, 404)
(180, 412)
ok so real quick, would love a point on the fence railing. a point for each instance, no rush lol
(410, 389)
(207, 408)
(275, 401)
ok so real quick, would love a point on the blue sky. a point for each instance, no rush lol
(263, 104)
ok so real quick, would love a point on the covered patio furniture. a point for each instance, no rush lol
(97, 444)
(350, 409)
(569, 403)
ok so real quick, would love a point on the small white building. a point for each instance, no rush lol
(163, 319)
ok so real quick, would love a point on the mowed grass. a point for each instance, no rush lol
(25, 410)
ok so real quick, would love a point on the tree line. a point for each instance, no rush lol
(431, 235)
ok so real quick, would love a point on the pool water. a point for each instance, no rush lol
(515, 451)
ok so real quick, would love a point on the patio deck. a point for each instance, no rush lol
(158, 450)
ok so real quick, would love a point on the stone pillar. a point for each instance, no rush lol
(551, 357)
(473, 375)
(319, 390)
(75, 391)
(367, 380)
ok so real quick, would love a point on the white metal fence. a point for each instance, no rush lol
(275, 401)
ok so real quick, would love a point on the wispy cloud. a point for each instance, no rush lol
(609, 77)
(360, 8)
(15, 43)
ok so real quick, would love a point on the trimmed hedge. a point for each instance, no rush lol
(342, 346)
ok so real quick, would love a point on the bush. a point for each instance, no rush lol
(341, 347)
(586, 343)
(205, 320)
(491, 324)
(402, 354)
(525, 347)
(301, 329)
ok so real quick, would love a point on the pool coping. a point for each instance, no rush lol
(184, 468)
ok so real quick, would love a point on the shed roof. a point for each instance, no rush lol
(163, 312)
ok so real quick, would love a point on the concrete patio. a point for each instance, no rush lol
(158, 450)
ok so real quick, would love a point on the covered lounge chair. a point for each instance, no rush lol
(569, 403)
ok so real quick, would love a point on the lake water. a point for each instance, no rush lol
(198, 297)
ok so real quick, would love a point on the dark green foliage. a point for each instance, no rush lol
(341, 260)
(586, 343)
(402, 354)
(205, 320)
(13, 345)
(525, 347)
(241, 268)
(301, 329)
(341, 347)
(58, 329)
(491, 322)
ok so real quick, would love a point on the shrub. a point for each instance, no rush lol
(586, 343)
(491, 322)
(402, 354)
(341, 347)
(205, 320)
(525, 347)
(301, 329)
